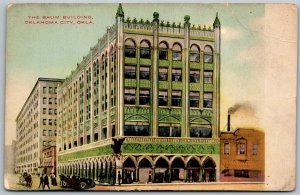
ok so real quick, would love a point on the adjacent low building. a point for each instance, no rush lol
(49, 160)
(36, 125)
(242, 156)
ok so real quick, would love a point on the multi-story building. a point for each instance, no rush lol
(36, 125)
(242, 156)
(49, 160)
(144, 103)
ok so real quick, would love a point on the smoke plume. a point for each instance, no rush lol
(241, 106)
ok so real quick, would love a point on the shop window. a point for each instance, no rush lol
(194, 99)
(176, 98)
(129, 96)
(136, 130)
(104, 133)
(144, 96)
(194, 76)
(204, 132)
(176, 74)
(96, 137)
(169, 131)
(163, 98)
(145, 72)
(207, 100)
(208, 77)
(241, 173)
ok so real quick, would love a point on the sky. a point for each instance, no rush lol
(52, 51)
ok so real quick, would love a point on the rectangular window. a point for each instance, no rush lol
(50, 90)
(241, 148)
(50, 111)
(81, 141)
(194, 99)
(44, 110)
(50, 133)
(75, 144)
(129, 96)
(176, 98)
(194, 76)
(44, 100)
(44, 90)
(200, 132)
(55, 89)
(50, 100)
(104, 133)
(255, 149)
(208, 58)
(44, 132)
(177, 56)
(50, 121)
(130, 72)
(130, 52)
(96, 138)
(208, 77)
(144, 96)
(169, 131)
(145, 52)
(55, 111)
(163, 74)
(207, 100)
(163, 98)
(88, 139)
(144, 72)
(44, 121)
(163, 54)
(136, 130)
(176, 74)
(226, 148)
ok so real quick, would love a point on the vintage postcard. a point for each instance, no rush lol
(139, 97)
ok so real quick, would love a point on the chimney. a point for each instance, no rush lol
(228, 122)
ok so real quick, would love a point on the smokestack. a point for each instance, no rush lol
(228, 122)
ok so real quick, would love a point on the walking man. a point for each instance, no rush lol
(119, 177)
(46, 182)
(42, 181)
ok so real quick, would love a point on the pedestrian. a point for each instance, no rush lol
(54, 182)
(149, 177)
(46, 182)
(119, 177)
(42, 181)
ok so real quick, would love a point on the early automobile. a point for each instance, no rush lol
(76, 182)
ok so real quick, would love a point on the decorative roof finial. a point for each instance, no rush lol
(155, 17)
(187, 19)
(217, 22)
(120, 12)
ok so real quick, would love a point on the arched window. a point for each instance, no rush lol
(208, 54)
(194, 53)
(163, 51)
(177, 56)
(130, 48)
(145, 51)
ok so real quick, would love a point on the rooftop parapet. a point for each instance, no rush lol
(167, 27)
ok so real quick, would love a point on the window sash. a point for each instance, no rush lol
(145, 52)
(208, 58)
(177, 56)
(130, 51)
(195, 57)
(163, 54)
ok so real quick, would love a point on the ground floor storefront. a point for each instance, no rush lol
(127, 169)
